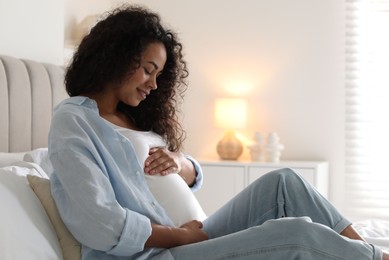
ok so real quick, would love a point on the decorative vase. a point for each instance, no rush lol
(230, 147)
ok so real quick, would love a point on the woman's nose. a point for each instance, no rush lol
(152, 83)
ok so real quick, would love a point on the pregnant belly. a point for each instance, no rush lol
(174, 195)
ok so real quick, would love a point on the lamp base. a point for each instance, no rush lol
(230, 147)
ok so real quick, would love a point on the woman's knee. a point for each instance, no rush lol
(293, 229)
(270, 183)
(285, 175)
(289, 223)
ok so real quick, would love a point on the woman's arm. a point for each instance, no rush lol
(188, 172)
(167, 237)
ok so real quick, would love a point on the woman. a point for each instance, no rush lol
(120, 126)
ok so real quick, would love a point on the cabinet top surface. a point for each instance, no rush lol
(217, 162)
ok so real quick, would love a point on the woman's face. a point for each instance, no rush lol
(136, 88)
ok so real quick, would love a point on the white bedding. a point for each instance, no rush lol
(26, 231)
(375, 231)
(10, 158)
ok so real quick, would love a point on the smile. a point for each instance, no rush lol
(143, 93)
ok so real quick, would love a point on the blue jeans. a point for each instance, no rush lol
(279, 216)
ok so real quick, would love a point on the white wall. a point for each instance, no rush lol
(76, 11)
(32, 29)
(40, 29)
(288, 55)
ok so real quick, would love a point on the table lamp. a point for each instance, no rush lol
(230, 114)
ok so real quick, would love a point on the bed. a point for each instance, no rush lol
(30, 225)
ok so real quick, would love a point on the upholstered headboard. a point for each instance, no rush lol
(28, 92)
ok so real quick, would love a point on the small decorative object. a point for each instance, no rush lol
(273, 148)
(230, 114)
(229, 147)
(256, 149)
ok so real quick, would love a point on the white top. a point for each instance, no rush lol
(171, 191)
(142, 141)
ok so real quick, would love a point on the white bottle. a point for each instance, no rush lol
(256, 149)
(273, 148)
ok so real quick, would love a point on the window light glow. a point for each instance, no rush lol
(367, 122)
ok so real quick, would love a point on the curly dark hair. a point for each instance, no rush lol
(112, 51)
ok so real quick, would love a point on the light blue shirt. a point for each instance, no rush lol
(98, 185)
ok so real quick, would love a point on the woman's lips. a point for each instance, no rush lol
(143, 93)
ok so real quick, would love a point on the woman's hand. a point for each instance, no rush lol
(192, 232)
(162, 161)
(167, 237)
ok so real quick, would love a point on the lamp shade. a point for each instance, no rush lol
(230, 113)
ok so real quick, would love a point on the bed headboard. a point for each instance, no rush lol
(28, 92)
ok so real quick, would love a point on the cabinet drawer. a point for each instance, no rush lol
(224, 179)
(221, 183)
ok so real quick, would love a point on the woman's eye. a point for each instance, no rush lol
(147, 71)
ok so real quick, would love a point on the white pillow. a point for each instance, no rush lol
(26, 231)
(40, 156)
(9, 158)
(174, 195)
(71, 248)
(374, 231)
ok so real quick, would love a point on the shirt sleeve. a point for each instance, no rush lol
(85, 197)
(199, 174)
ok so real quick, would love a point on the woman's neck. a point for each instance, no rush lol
(106, 102)
(107, 105)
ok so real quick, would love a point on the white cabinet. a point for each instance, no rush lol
(221, 183)
(224, 179)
